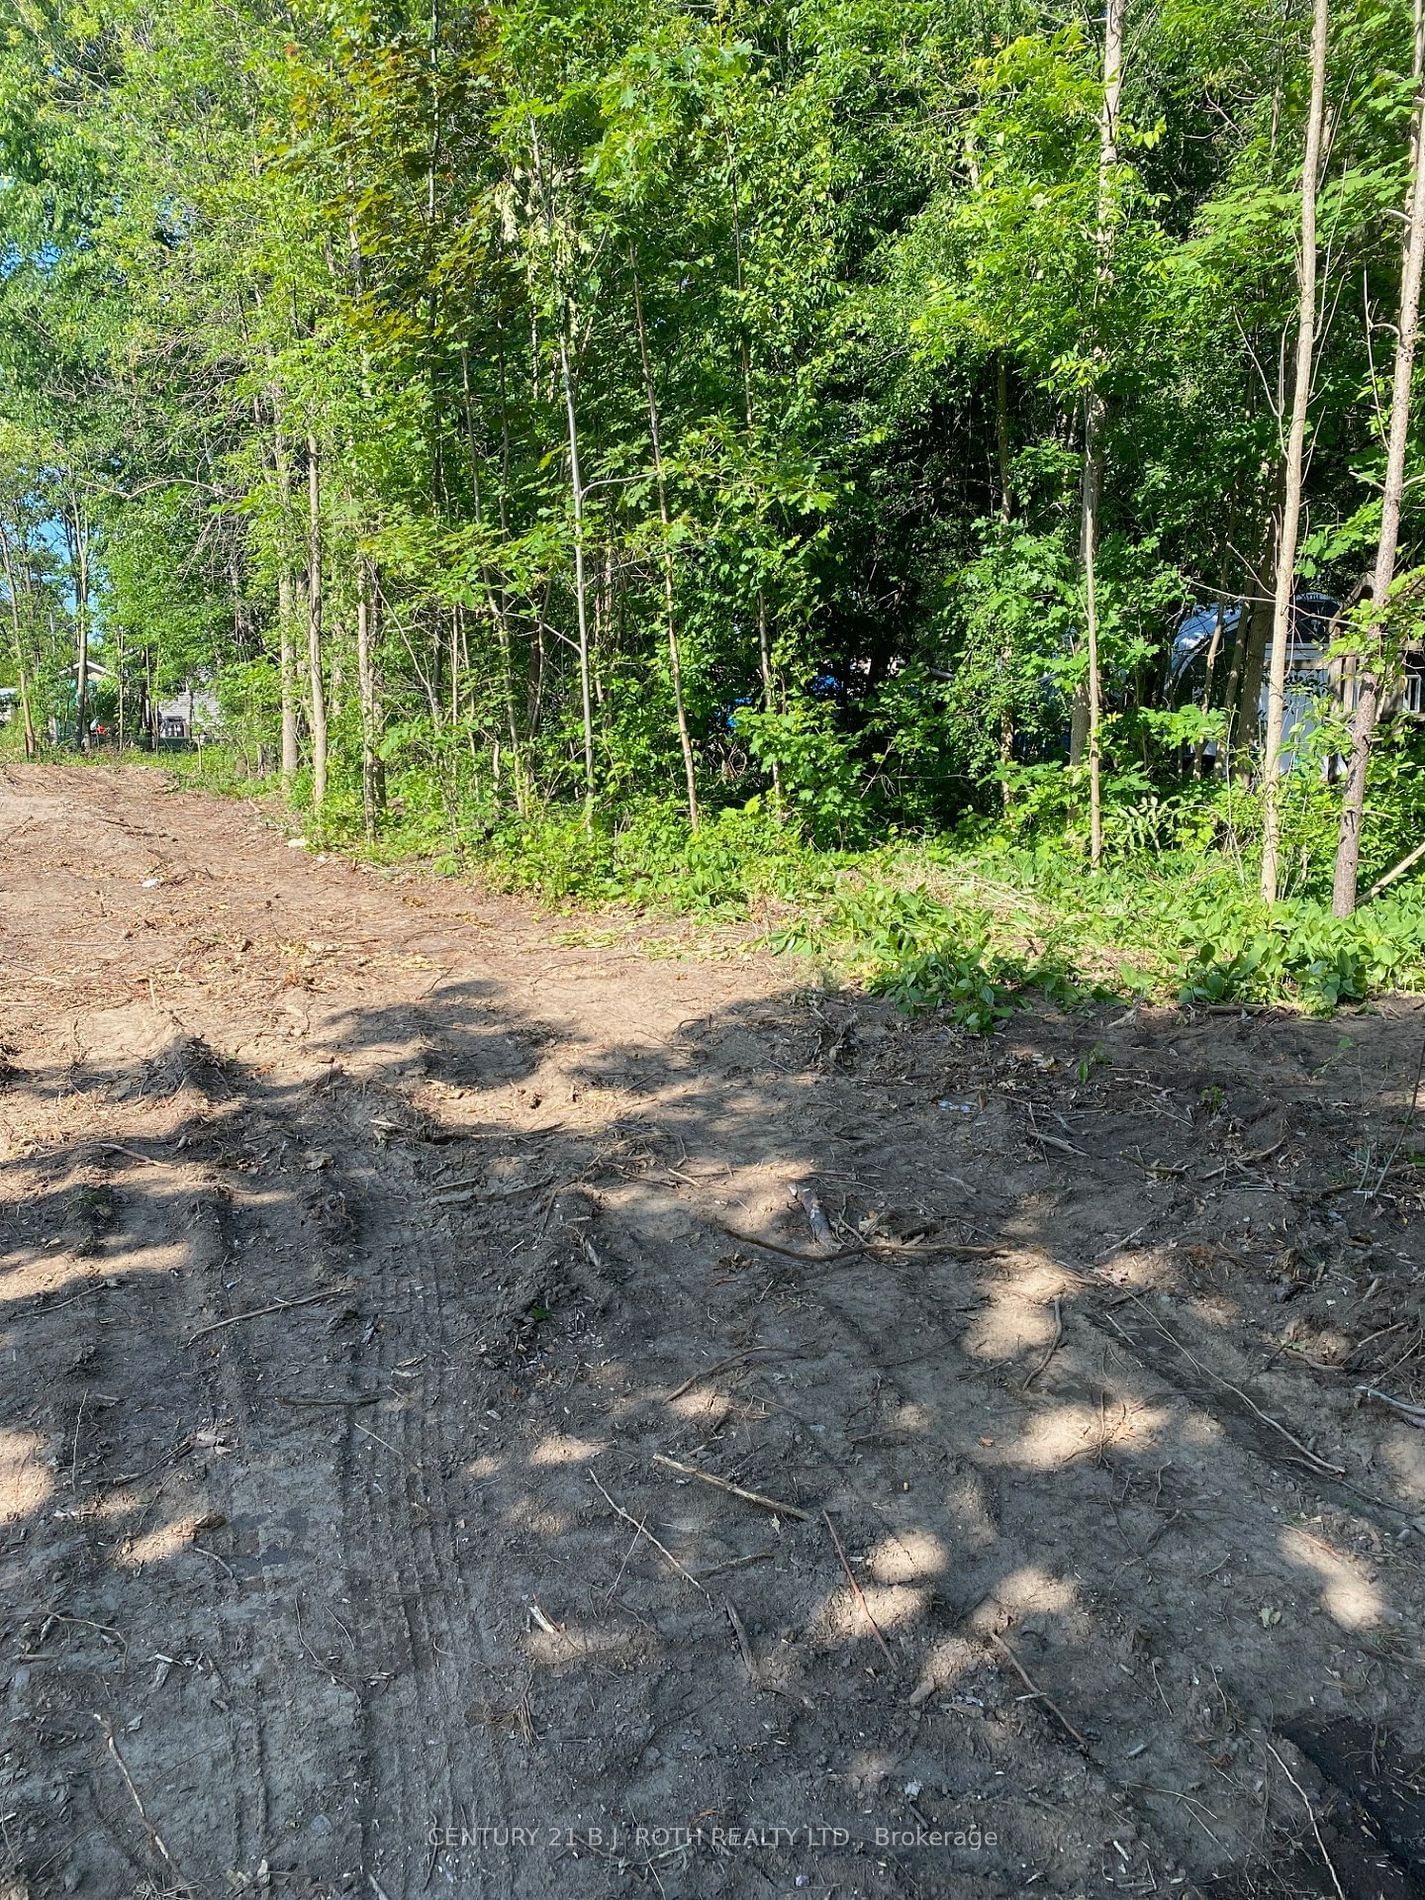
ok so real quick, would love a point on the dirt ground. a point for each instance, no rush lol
(395, 1283)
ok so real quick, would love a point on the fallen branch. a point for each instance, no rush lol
(858, 1592)
(277, 1306)
(734, 1490)
(737, 1563)
(1039, 1694)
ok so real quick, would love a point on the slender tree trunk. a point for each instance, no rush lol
(318, 713)
(287, 672)
(1232, 692)
(1214, 650)
(286, 630)
(1006, 515)
(1006, 485)
(77, 532)
(769, 683)
(122, 708)
(675, 664)
(1295, 460)
(764, 636)
(1094, 416)
(21, 670)
(286, 647)
(506, 640)
(372, 787)
(581, 604)
(457, 678)
(495, 590)
(576, 490)
(1372, 667)
(1088, 554)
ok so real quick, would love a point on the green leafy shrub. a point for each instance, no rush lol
(1298, 952)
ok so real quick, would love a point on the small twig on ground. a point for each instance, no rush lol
(816, 1219)
(1058, 1141)
(151, 1830)
(1052, 1347)
(749, 1661)
(643, 1531)
(106, 1630)
(213, 1558)
(1319, 1464)
(297, 1398)
(450, 1193)
(735, 1490)
(276, 1306)
(74, 1456)
(1039, 1694)
(1380, 1333)
(858, 1592)
(790, 1253)
(926, 1250)
(1415, 1413)
(1311, 1816)
(916, 1251)
(708, 1372)
(34, 1312)
(1119, 1245)
(1153, 1664)
(737, 1563)
(325, 1668)
(395, 1450)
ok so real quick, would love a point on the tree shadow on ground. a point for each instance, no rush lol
(342, 1532)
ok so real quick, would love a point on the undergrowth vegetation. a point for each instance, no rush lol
(974, 923)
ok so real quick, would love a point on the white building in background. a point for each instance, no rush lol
(1316, 685)
(189, 715)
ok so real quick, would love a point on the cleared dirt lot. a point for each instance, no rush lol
(367, 1242)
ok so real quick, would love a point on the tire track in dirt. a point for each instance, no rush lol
(425, 1763)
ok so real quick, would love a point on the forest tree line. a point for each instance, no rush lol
(832, 407)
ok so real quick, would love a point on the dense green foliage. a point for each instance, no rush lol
(640, 449)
